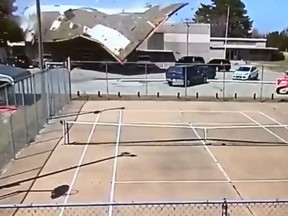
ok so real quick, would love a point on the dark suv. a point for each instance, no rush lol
(221, 64)
(190, 59)
(186, 75)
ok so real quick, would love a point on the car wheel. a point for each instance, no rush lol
(256, 77)
(169, 83)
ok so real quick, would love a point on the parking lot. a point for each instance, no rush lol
(90, 82)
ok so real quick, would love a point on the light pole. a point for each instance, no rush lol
(39, 28)
(226, 30)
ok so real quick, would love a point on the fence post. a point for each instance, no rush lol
(64, 80)
(46, 91)
(35, 100)
(69, 76)
(106, 72)
(53, 93)
(25, 111)
(261, 83)
(6, 95)
(185, 81)
(146, 79)
(13, 149)
(224, 208)
(59, 107)
(224, 83)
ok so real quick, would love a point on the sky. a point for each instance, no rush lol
(268, 15)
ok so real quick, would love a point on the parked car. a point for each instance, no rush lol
(190, 59)
(21, 61)
(193, 73)
(246, 72)
(209, 71)
(220, 64)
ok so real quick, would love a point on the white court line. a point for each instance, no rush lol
(274, 120)
(80, 163)
(171, 182)
(265, 128)
(203, 181)
(111, 200)
(211, 154)
(189, 111)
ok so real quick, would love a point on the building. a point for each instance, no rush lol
(182, 39)
(253, 49)
(195, 40)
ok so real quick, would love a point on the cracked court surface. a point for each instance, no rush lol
(116, 158)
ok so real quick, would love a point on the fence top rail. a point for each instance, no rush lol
(158, 203)
(177, 125)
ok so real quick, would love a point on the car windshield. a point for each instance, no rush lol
(177, 70)
(244, 69)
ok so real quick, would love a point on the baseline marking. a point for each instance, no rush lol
(80, 163)
(189, 111)
(274, 120)
(265, 128)
(202, 181)
(111, 200)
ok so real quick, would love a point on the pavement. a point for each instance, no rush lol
(123, 155)
(92, 82)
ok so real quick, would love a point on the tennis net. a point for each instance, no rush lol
(78, 132)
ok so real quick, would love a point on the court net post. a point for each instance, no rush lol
(65, 129)
(205, 135)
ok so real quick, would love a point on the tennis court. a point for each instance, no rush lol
(168, 151)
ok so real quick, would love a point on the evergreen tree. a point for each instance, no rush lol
(215, 13)
(9, 27)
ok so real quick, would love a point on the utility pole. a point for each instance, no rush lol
(40, 42)
(227, 29)
(187, 23)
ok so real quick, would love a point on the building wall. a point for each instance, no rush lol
(238, 41)
(217, 53)
(174, 37)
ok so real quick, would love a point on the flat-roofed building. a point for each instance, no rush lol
(182, 39)
(253, 49)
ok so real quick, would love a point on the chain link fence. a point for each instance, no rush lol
(28, 104)
(110, 79)
(205, 208)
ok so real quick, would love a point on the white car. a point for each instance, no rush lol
(246, 72)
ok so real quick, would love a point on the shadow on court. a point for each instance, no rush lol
(193, 142)
(54, 194)
(17, 183)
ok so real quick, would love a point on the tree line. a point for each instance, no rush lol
(9, 24)
(240, 24)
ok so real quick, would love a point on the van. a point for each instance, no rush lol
(194, 74)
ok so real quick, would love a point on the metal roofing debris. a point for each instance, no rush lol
(119, 34)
